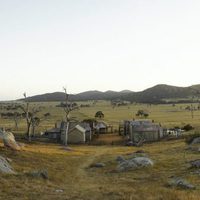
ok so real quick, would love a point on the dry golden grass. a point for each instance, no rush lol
(69, 171)
(167, 115)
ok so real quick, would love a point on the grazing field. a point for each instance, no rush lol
(167, 114)
(70, 175)
(71, 178)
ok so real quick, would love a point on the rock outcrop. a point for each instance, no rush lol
(133, 163)
(9, 140)
(5, 166)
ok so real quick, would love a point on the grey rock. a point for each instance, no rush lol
(130, 143)
(9, 160)
(9, 140)
(195, 163)
(120, 159)
(196, 172)
(196, 141)
(134, 163)
(136, 155)
(38, 174)
(59, 191)
(97, 165)
(180, 183)
(142, 161)
(5, 166)
(193, 148)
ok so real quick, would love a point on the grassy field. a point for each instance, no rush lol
(70, 176)
(69, 171)
(166, 114)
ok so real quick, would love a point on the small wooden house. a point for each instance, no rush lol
(76, 135)
(53, 134)
(70, 133)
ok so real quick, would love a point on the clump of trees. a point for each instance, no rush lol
(30, 112)
(142, 113)
(188, 127)
(99, 114)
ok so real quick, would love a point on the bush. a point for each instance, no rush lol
(188, 127)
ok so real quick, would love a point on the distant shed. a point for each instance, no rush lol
(70, 133)
(76, 135)
(53, 134)
(101, 127)
(145, 130)
(88, 131)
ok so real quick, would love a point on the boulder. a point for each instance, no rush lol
(196, 141)
(180, 183)
(38, 174)
(9, 140)
(130, 143)
(5, 166)
(135, 163)
(193, 148)
(120, 159)
(195, 163)
(97, 165)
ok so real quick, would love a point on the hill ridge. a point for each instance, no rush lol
(155, 94)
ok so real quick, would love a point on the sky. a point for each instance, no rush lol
(97, 45)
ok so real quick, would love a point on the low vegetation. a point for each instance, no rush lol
(69, 175)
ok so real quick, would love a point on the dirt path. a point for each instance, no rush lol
(85, 178)
(82, 170)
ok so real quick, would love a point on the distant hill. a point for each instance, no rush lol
(159, 93)
(156, 94)
(84, 96)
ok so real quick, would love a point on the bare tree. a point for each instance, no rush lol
(36, 121)
(66, 107)
(29, 114)
(16, 117)
(192, 111)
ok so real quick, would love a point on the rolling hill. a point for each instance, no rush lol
(156, 94)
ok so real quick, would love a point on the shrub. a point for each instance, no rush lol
(188, 127)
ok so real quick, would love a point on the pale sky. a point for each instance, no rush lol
(97, 45)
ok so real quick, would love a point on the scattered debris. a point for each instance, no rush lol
(5, 166)
(97, 165)
(180, 183)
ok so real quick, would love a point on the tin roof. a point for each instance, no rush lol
(53, 130)
(146, 125)
(80, 128)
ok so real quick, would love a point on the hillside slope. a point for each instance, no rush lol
(154, 94)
